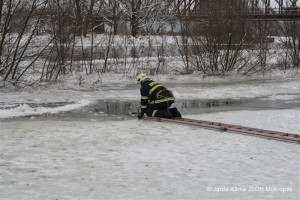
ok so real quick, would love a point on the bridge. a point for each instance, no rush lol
(247, 9)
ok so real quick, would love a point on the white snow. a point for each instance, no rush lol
(133, 159)
(147, 160)
(26, 110)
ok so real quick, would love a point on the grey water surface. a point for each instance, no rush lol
(106, 110)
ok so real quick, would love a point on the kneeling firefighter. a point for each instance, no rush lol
(155, 99)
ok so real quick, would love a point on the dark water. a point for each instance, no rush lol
(198, 106)
(106, 110)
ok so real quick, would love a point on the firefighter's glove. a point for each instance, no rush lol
(140, 116)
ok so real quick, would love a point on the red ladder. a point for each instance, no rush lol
(282, 136)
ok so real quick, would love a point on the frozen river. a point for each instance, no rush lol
(115, 101)
(67, 144)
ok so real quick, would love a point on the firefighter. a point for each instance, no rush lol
(155, 99)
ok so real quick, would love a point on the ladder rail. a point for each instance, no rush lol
(277, 135)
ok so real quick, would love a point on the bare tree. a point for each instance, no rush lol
(110, 13)
(63, 28)
(291, 31)
(19, 24)
(83, 15)
(142, 14)
(215, 44)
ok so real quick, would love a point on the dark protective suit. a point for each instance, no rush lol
(155, 99)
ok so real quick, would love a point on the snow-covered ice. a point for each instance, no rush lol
(146, 160)
(134, 159)
(25, 110)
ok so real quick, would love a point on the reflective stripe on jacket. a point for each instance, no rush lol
(149, 89)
